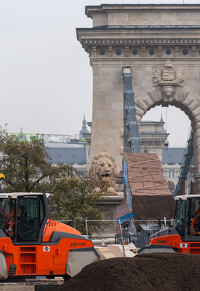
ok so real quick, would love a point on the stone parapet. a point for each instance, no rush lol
(144, 14)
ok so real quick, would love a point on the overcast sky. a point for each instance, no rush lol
(45, 76)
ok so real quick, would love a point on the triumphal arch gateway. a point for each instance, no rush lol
(161, 46)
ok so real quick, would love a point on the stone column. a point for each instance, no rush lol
(107, 117)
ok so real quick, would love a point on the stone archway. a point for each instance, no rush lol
(161, 44)
(172, 92)
(177, 96)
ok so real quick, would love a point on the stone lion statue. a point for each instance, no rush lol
(103, 172)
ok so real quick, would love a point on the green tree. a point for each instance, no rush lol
(27, 168)
(75, 201)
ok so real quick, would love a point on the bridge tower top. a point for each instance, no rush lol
(161, 45)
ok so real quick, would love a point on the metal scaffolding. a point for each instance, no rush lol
(186, 165)
(131, 135)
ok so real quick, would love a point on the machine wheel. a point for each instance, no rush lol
(156, 249)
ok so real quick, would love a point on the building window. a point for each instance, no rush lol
(168, 51)
(171, 173)
(118, 52)
(151, 52)
(102, 52)
(134, 51)
(185, 51)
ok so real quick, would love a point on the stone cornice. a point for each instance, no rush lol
(149, 138)
(138, 32)
(92, 41)
(138, 27)
(124, 42)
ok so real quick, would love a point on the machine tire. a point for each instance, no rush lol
(156, 249)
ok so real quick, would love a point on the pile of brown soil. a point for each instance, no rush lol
(143, 272)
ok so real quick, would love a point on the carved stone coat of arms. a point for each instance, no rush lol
(168, 78)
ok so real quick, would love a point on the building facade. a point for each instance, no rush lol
(153, 137)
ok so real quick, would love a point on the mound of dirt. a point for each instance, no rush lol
(143, 272)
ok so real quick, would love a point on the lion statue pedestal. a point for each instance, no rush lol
(103, 172)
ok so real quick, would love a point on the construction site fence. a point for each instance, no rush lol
(133, 231)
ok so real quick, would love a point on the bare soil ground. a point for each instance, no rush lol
(147, 272)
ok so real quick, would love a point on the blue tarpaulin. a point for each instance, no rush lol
(126, 184)
(126, 217)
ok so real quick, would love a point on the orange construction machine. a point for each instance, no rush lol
(184, 235)
(32, 245)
